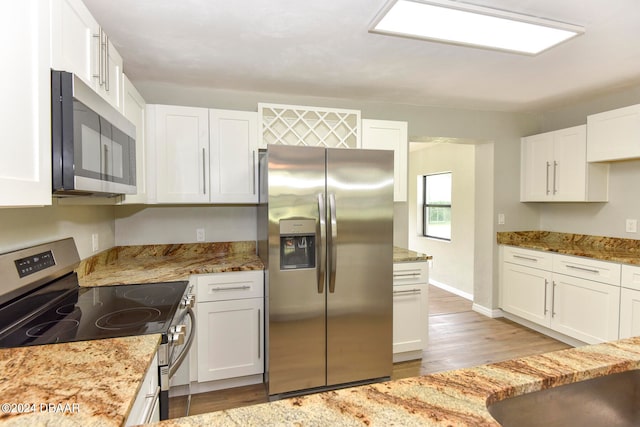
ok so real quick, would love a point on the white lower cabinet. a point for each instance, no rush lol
(630, 302)
(230, 325)
(146, 408)
(586, 310)
(410, 310)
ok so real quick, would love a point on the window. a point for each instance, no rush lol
(436, 206)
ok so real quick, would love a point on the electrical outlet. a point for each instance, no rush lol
(200, 235)
(95, 244)
(632, 226)
(500, 219)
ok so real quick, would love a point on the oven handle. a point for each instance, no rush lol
(174, 365)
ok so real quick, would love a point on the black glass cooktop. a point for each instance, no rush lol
(80, 314)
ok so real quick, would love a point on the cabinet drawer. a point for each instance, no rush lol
(590, 269)
(405, 273)
(228, 286)
(528, 257)
(630, 277)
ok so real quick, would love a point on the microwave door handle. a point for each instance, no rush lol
(321, 242)
(333, 243)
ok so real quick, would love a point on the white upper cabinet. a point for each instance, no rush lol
(614, 135)
(25, 116)
(180, 136)
(233, 156)
(133, 108)
(202, 155)
(80, 46)
(72, 39)
(390, 135)
(554, 168)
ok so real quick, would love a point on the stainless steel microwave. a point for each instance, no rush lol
(93, 144)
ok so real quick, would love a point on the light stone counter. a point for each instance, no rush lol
(614, 249)
(86, 383)
(453, 398)
(166, 263)
(406, 255)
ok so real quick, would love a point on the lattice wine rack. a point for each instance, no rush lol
(311, 126)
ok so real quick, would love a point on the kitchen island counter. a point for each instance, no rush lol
(85, 383)
(166, 263)
(452, 398)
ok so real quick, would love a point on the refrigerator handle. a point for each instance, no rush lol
(332, 243)
(321, 242)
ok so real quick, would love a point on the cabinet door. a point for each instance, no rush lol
(233, 156)
(569, 181)
(111, 86)
(585, 310)
(390, 135)
(25, 116)
(614, 135)
(73, 45)
(230, 339)
(524, 291)
(181, 139)
(629, 313)
(409, 317)
(536, 168)
(134, 110)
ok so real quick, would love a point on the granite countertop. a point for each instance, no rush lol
(406, 255)
(89, 383)
(625, 251)
(452, 398)
(166, 263)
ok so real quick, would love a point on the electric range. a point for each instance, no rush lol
(41, 302)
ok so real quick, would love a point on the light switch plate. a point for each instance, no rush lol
(500, 219)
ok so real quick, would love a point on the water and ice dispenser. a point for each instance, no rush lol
(297, 244)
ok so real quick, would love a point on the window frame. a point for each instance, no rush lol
(426, 206)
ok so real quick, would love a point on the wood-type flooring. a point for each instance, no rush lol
(458, 338)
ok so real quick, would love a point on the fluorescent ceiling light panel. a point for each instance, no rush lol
(467, 24)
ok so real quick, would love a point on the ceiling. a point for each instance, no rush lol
(323, 48)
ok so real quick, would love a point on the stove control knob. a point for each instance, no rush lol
(188, 301)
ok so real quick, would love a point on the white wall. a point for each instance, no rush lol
(600, 219)
(453, 261)
(23, 227)
(139, 225)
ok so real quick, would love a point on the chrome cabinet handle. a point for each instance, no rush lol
(106, 61)
(332, 244)
(321, 243)
(555, 168)
(253, 176)
(553, 300)
(588, 270)
(546, 283)
(232, 288)
(547, 176)
(204, 172)
(406, 274)
(525, 258)
(408, 291)
(259, 323)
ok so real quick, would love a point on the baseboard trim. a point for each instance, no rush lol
(451, 289)
(492, 313)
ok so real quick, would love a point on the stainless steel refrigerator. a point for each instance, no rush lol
(325, 233)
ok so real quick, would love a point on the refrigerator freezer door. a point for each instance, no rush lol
(360, 257)
(297, 328)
